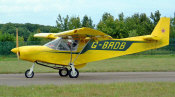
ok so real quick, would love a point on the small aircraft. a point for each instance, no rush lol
(73, 49)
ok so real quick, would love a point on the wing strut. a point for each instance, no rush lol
(81, 50)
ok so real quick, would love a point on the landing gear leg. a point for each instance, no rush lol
(29, 73)
(73, 72)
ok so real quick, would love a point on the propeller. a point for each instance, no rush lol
(17, 44)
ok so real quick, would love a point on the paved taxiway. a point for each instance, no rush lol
(95, 77)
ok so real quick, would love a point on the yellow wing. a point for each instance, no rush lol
(45, 35)
(77, 33)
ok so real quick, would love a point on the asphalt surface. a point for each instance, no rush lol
(100, 77)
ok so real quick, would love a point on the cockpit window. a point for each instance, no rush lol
(63, 44)
(53, 44)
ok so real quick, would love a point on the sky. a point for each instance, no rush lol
(45, 12)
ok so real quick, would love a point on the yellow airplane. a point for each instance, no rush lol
(73, 49)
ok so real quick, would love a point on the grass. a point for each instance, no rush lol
(119, 89)
(133, 63)
(122, 89)
(129, 63)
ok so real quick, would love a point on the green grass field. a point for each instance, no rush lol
(122, 89)
(127, 63)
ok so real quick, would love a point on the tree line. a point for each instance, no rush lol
(118, 27)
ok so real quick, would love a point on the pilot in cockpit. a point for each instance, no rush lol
(72, 43)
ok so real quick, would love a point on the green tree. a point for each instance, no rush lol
(24, 29)
(6, 43)
(145, 26)
(139, 23)
(121, 16)
(155, 17)
(115, 28)
(62, 23)
(54, 30)
(174, 20)
(66, 23)
(87, 22)
(8, 28)
(172, 28)
(133, 33)
(23, 32)
(31, 27)
(32, 40)
(7, 37)
(121, 29)
(107, 24)
(59, 23)
(74, 23)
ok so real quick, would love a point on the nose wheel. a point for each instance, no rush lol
(29, 73)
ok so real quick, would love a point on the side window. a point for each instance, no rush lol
(75, 45)
(53, 44)
(63, 45)
(66, 44)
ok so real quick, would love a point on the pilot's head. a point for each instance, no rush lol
(69, 42)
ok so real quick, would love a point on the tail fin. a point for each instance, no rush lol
(162, 30)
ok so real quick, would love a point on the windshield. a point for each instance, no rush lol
(63, 44)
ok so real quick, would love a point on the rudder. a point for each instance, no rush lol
(162, 30)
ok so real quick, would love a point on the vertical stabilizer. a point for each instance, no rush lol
(162, 30)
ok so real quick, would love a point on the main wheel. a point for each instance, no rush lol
(27, 75)
(75, 75)
(63, 72)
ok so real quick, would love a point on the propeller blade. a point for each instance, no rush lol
(16, 37)
(17, 44)
(17, 55)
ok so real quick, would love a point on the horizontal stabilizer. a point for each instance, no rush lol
(151, 38)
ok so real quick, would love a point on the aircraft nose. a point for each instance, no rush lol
(15, 50)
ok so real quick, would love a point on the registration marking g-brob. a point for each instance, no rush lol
(115, 45)
(109, 45)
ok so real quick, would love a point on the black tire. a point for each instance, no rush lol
(71, 73)
(27, 74)
(63, 72)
